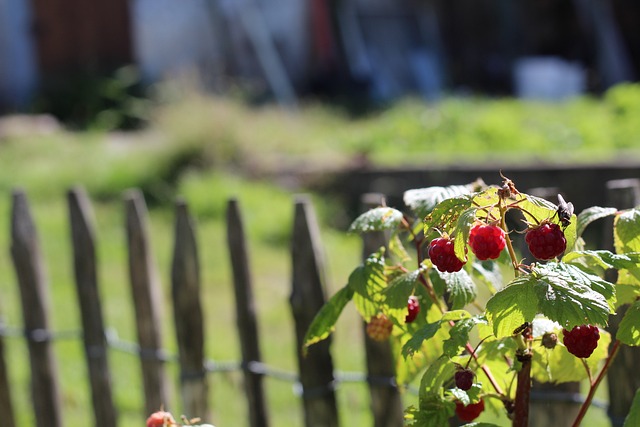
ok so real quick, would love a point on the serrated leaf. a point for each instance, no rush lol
(627, 231)
(570, 233)
(540, 208)
(462, 230)
(377, 219)
(633, 417)
(566, 295)
(629, 329)
(489, 273)
(460, 288)
(400, 288)
(626, 294)
(324, 321)
(459, 335)
(415, 343)
(445, 215)
(439, 372)
(455, 315)
(422, 200)
(604, 259)
(367, 282)
(510, 307)
(590, 215)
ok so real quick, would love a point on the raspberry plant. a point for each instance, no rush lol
(495, 315)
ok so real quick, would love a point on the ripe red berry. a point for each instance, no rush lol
(413, 308)
(379, 328)
(464, 378)
(487, 241)
(470, 412)
(442, 255)
(546, 241)
(581, 340)
(160, 419)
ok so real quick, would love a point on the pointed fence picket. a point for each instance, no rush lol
(316, 377)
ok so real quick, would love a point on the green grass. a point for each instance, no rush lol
(207, 150)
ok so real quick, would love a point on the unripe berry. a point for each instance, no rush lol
(487, 241)
(549, 340)
(413, 308)
(379, 328)
(581, 340)
(442, 255)
(470, 412)
(546, 241)
(464, 378)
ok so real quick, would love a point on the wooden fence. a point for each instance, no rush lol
(316, 375)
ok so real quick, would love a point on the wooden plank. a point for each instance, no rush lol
(95, 344)
(623, 377)
(307, 297)
(185, 288)
(6, 404)
(246, 316)
(386, 401)
(34, 293)
(147, 300)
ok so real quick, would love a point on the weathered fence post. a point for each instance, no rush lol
(386, 401)
(95, 345)
(185, 289)
(6, 405)
(34, 293)
(307, 297)
(246, 316)
(551, 404)
(147, 303)
(623, 376)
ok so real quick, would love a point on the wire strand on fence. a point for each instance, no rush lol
(114, 342)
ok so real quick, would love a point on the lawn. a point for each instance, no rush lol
(210, 149)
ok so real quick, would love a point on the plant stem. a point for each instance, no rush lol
(485, 369)
(512, 252)
(594, 386)
(523, 391)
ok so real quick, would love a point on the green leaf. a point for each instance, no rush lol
(626, 231)
(489, 273)
(591, 214)
(455, 315)
(460, 287)
(367, 282)
(324, 321)
(377, 219)
(415, 343)
(422, 200)
(626, 294)
(445, 215)
(439, 372)
(540, 208)
(604, 259)
(572, 297)
(633, 417)
(400, 288)
(460, 335)
(462, 230)
(629, 329)
(510, 307)
(570, 233)
(559, 366)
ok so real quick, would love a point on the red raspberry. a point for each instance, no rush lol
(379, 328)
(470, 412)
(487, 241)
(464, 378)
(442, 255)
(546, 241)
(581, 340)
(413, 308)
(160, 419)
